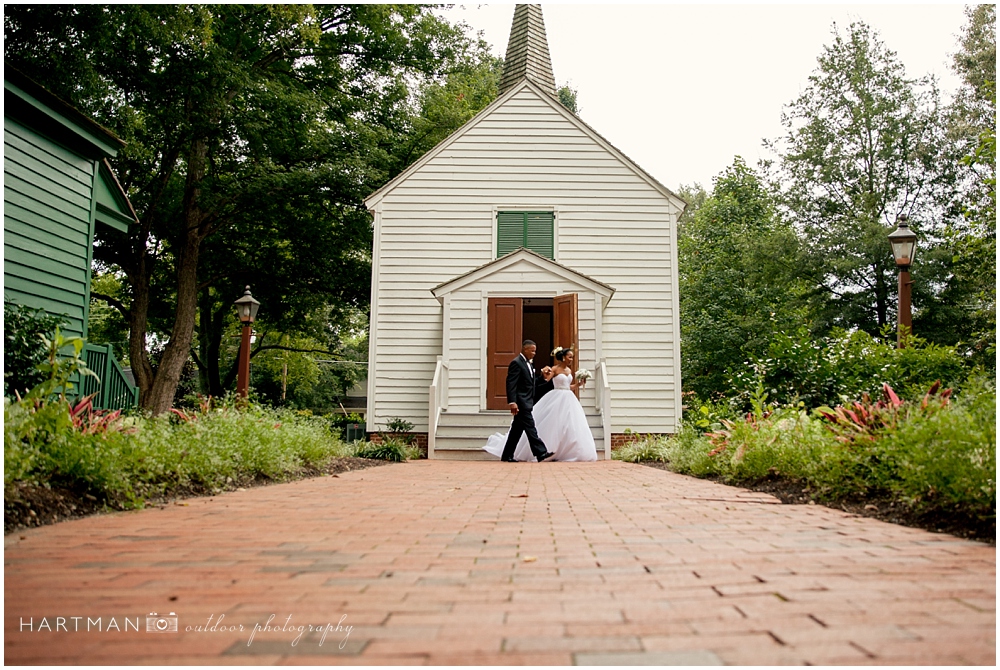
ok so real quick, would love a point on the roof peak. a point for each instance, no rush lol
(528, 51)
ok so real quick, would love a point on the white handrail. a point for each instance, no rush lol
(437, 397)
(603, 402)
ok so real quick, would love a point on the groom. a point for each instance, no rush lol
(523, 386)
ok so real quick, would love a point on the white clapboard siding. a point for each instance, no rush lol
(436, 222)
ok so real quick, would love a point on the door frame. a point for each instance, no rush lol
(484, 364)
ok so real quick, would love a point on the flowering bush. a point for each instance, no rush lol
(937, 453)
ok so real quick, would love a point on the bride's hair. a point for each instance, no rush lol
(560, 355)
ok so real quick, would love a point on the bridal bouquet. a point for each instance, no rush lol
(583, 374)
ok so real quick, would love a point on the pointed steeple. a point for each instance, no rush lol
(528, 51)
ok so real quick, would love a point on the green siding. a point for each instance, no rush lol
(532, 230)
(52, 165)
(42, 243)
(112, 209)
(56, 181)
(48, 219)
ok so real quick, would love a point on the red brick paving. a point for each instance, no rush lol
(448, 563)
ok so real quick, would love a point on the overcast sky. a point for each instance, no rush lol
(682, 89)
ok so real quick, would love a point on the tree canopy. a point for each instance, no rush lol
(864, 145)
(738, 278)
(253, 132)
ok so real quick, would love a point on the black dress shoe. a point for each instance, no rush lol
(547, 455)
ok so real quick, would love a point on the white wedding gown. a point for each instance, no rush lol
(561, 424)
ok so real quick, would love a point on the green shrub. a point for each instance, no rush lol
(786, 443)
(24, 349)
(842, 367)
(125, 459)
(398, 430)
(398, 425)
(706, 415)
(866, 363)
(645, 449)
(931, 454)
(213, 448)
(21, 453)
(946, 458)
(388, 450)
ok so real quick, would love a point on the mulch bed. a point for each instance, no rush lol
(879, 506)
(27, 506)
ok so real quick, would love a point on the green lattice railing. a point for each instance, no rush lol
(113, 389)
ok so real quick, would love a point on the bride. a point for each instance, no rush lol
(559, 419)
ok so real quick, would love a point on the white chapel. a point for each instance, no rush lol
(524, 223)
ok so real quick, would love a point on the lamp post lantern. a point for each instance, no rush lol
(904, 245)
(246, 310)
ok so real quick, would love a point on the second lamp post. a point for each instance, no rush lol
(246, 310)
(904, 244)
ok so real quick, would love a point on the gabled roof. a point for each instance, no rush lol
(36, 107)
(528, 51)
(554, 103)
(32, 104)
(530, 257)
(113, 206)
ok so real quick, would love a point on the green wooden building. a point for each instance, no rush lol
(58, 186)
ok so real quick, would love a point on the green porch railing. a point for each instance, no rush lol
(113, 389)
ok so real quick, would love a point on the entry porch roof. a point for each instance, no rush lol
(526, 256)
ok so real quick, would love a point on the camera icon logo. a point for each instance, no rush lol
(161, 624)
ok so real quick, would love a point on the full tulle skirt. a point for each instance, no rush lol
(562, 426)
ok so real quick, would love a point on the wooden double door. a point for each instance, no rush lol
(549, 322)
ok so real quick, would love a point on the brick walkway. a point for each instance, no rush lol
(482, 563)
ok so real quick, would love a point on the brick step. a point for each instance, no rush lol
(463, 455)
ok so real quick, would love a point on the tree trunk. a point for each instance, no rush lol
(212, 339)
(881, 298)
(138, 317)
(204, 337)
(177, 351)
(211, 324)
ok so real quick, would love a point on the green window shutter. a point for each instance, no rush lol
(538, 233)
(533, 230)
(510, 232)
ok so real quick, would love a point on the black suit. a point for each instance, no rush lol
(524, 388)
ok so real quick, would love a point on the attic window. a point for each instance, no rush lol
(531, 230)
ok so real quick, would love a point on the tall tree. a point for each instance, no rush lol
(224, 106)
(972, 236)
(976, 63)
(738, 278)
(864, 145)
(444, 105)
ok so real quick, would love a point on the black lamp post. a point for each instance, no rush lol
(246, 310)
(904, 245)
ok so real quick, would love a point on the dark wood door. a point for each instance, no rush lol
(503, 344)
(565, 324)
